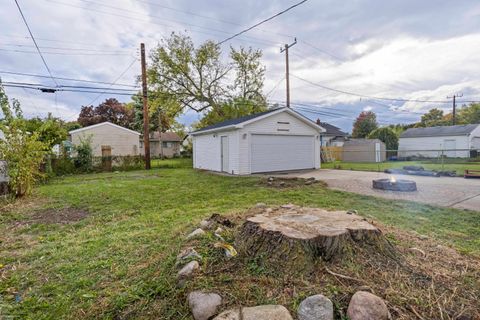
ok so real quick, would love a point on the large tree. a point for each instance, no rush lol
(365, 123)
(230, 110)
(110, 110)
(469, 114)
(182, 77)
(434, 117)
(386, 135)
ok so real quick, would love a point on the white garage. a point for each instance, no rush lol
(275, 140)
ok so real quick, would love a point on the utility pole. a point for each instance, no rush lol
(454, 110)
(287, 72)
(146, 134)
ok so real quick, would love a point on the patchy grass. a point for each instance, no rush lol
(118, 261)
(459, 166)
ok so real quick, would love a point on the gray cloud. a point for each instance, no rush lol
(412, 49)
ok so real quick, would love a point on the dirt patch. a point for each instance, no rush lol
(57, 216)
(289, 182)
(432, 281)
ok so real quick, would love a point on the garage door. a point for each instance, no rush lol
(282, 152)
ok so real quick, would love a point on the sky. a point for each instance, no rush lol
(413, 50)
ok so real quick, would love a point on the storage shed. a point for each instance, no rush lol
(108, 139)
(450, 141)
(275, 140)
(364, 150)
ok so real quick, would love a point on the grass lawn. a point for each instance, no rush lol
(459, 167)
(118, 261)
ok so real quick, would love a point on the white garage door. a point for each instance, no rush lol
(282, 152)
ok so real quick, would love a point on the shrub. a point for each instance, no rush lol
(84, 159)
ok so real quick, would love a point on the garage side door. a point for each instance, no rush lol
(282, 152)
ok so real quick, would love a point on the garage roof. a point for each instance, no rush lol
(233, 123)
(460, 130)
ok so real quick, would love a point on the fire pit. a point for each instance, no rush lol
(393, 184)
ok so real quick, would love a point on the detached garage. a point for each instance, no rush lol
(275, 140)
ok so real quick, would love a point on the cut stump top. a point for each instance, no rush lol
(309, 223)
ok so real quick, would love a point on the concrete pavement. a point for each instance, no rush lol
(440, 191)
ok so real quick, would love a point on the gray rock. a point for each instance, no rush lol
(260, 205)
(317, 307)
(203, 305)
(352, 212)
(219, 230)
(367, 306)
(270, 179)
(206, 224)
(196, 234)
(265, 312)
(287, 206)
(188, 254)
(188, 270)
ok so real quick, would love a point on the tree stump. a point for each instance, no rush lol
(291, 236)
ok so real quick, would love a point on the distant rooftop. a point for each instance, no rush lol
(332, 130)
(459, 130)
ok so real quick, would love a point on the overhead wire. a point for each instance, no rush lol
(35, 42)
(65, 78)
(262, 22)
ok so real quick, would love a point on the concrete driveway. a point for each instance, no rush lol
(442, 191)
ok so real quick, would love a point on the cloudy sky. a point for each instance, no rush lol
(409, 49)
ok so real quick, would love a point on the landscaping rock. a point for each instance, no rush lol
(206, 224)
(196, 234)
(367, 306)
(203, 305)
(188, 254)
(317, 307)
(188, 270)
(265, 312)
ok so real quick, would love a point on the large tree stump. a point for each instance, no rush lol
(297, 237)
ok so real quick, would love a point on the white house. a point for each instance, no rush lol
(108, 139)
(275, 140)
(450, 141)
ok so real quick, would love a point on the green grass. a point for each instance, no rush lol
(458, 167)
(120, 259)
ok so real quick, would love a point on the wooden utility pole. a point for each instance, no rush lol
(454, 110)
(146, 134)
(287, 70)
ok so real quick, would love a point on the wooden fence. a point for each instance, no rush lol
(332, 153)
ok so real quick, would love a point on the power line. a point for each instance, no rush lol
(68, 54)
(262, 22)
(67, 87)
(64, 78)
(67, 49)
(35, 42)
(115, 81)
(367, 96)
(55, 89)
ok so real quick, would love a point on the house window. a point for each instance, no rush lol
(167, 144)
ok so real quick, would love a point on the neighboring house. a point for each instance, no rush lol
(450, 141)
(333, 137)
(163, 144)
(108, 139)
(274, 140)
(364, 150)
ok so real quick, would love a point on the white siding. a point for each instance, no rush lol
(122, 142)
(475, 138)
(207, 151)
(271, 125)
(432, 146)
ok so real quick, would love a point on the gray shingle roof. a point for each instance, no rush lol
(459, 130)
(332, 130)
(232, 122)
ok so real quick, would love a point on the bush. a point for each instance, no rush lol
(24, 154)
(84, 159)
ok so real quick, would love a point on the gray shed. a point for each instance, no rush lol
(364, 150)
